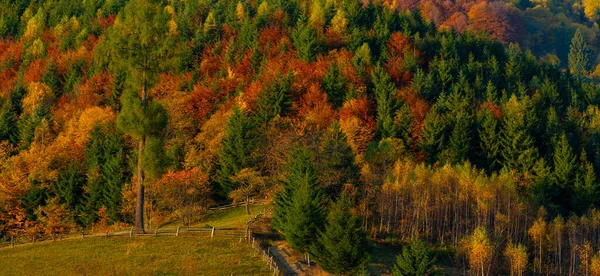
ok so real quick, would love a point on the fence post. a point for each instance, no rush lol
(177, 234)
(12, 241)
(212, 233)
(33, 239)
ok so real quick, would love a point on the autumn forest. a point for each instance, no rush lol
(466, 127)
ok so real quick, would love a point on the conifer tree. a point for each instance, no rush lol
(415, 260)
(386, 103)
(586, 188)
(433, 136)
(69, 188)
(8, 123)
(341, 248)
(337, 162)
(298, 211)
(578, 57)
(334, 84)
(138, 42)
(275, 100)
(460, 138)
(488, 139)
(518, 151)
(305, 41)
(564, 162)
(234, 154)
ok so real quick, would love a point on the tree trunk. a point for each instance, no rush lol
(247, 204)
(139, 207)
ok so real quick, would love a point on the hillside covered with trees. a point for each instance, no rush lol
(360, 122)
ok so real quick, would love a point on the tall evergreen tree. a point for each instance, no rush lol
(235, 151)
(518, 151)
(298, 210)
(433, 137)
(275, 99)
(337, 162)
(578, 57)
(69, 189)
(586, 188)
(341, 248)
(8, 123)
(334, 84)
(386, 103)
(564, 162)
(139, 41)
(305, 41)
(488, 139)
(460, 138)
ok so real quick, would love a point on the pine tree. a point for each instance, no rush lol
(337, 162)
(334, 84)
(488, 139)
(69, 188)
(433, 137)
(460, 139)
(578, 57)
(8, 123)
(305, 41)
(564, 162)
(139, 41)
(518, 151)
(586, 188)
(235, 151)
(386, 103)
(415, 260)
(275, 100)
(306, 215)
(341, 248)
(298, 211)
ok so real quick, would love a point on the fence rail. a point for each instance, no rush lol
(171, 231)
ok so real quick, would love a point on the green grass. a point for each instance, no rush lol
(133, 256)
(232, 218)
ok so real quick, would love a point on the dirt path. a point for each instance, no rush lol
(287, 259)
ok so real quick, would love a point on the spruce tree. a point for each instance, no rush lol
(337, 162)
(460, 138)
(8, 123)
(334, 85)
(386, 103)
(488, 139)
(275, 99)
(234, 154)
(578, 57)
(305, 41)
(586, 188)
(433, 136)
(415, 260)
(564, 162)
(518, 151)
(298, 211)
(341, 248)
(69, 188)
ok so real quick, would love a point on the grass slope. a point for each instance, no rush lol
(133, 256)
(185, 255)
